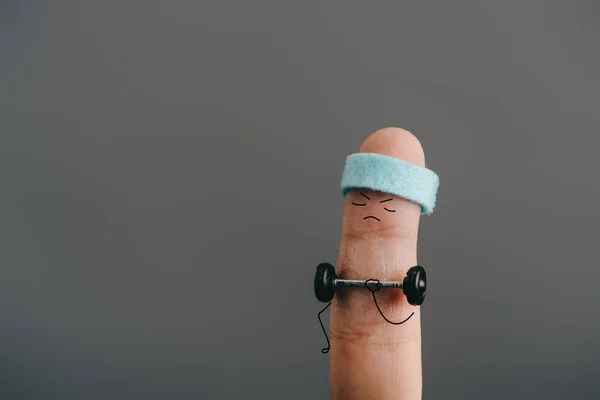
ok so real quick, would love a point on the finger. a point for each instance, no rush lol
(369, 357)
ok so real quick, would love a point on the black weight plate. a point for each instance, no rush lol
(415, 285)
(324, 288)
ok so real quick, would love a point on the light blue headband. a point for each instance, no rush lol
(393, 176)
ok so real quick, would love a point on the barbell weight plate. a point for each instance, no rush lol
(324, 277)
(415, 285)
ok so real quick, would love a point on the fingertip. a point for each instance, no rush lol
(395, 142)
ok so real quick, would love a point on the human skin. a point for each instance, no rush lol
(370, 358)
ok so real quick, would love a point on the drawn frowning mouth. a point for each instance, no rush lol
(370, 216)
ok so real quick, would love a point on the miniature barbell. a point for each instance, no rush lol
(414, 284)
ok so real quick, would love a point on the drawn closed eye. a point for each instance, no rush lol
(386, 209)
(356, 204)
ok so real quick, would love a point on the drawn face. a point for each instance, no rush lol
(367, 198)
(373, 213)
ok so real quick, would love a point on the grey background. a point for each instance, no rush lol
(169, 181)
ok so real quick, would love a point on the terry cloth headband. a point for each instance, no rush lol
(393, 176)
